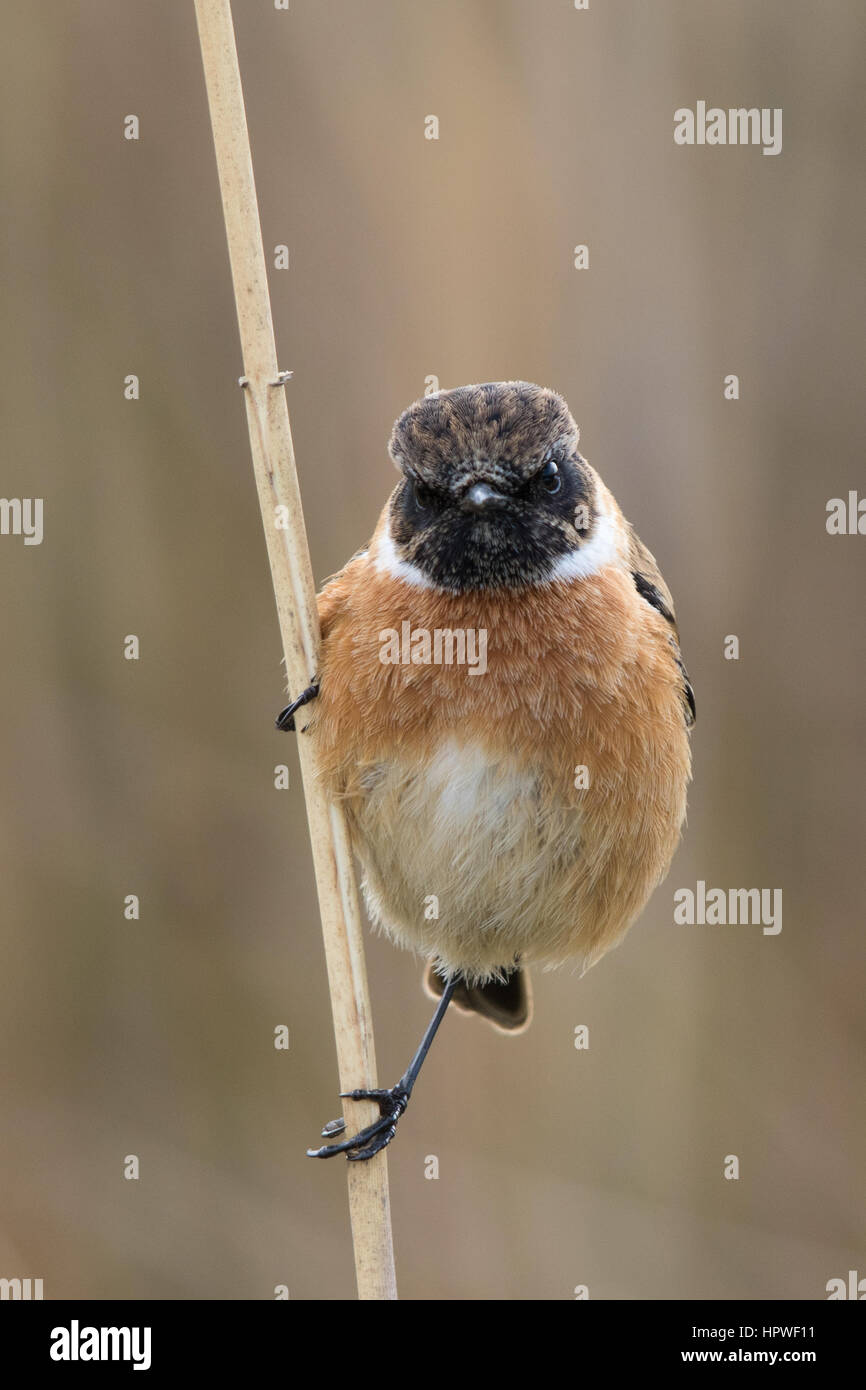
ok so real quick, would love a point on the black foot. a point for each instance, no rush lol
(286, 717)
(367, 1142)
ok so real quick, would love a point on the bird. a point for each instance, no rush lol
(501, 708)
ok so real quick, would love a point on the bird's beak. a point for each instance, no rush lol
(482, 498)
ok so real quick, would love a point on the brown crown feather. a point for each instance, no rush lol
(507, 424)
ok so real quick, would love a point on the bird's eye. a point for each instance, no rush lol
(422, 495)
(550, 479)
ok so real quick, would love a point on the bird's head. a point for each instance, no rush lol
(494, 493)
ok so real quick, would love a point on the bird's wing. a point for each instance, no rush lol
(651, 586)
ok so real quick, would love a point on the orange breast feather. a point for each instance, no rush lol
(580, 675)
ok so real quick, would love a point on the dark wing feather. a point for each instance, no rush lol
(651, 586)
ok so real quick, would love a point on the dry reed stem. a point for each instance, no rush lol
(288, 552)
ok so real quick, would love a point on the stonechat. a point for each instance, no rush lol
(502, 709)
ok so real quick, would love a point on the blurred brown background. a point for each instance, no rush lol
(410, 258)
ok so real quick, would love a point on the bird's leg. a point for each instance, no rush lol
(369, 1141)
(286, 717)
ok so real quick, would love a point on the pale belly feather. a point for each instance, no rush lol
(467, 857)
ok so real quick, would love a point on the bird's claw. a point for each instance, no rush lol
(286, 718)
(372, 1139)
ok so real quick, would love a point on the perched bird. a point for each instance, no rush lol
(501, 708)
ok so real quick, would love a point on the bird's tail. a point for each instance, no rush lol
(507, 1005)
